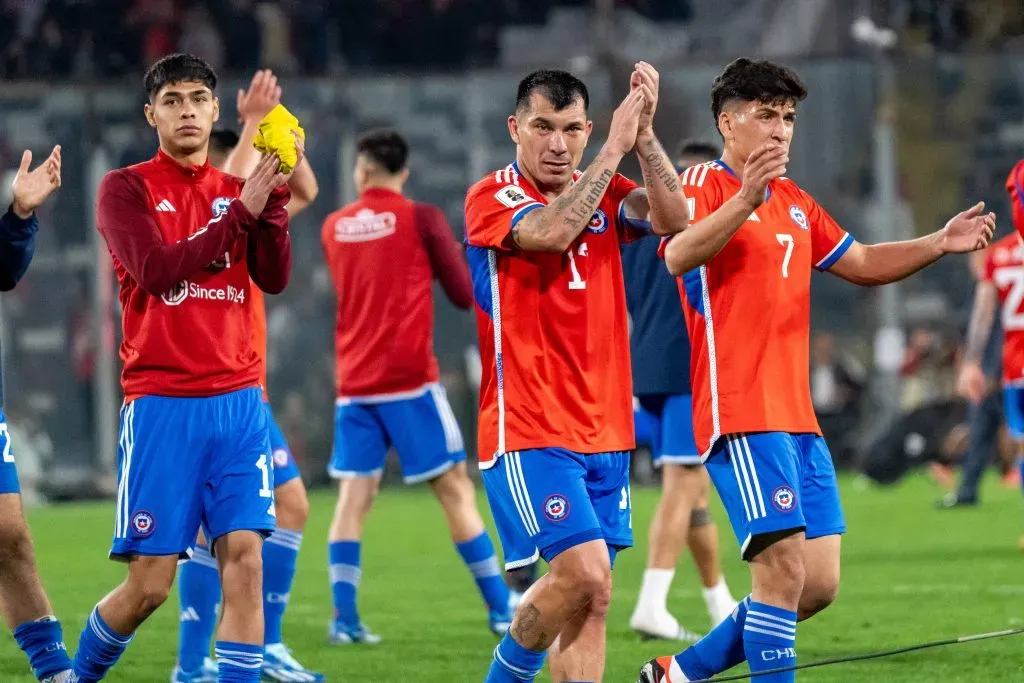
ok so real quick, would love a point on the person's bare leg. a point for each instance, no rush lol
(703, 544)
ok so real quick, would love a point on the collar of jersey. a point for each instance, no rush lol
(767, 192)
(193, 172)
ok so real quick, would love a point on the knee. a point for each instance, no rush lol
(150, 592)
(292, 506)
(454, 488)
(589, 583)
(242, 566)
(357, 496)
(15, 542)
(818, 593)
(783, 575)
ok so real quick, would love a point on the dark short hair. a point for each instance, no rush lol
(756, 81)
(178, 68)
(560, 88)
(385, 147)
(701, 149)
(223, 140)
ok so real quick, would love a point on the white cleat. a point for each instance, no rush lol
(661, 627)
(67, 676)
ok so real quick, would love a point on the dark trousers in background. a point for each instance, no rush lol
(984, 420)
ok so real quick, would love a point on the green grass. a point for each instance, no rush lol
(911, 574)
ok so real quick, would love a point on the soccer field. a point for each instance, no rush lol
(911, 574)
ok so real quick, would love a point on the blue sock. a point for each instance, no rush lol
(479, 556)
(345, 574)
(199, 593)
(769, 639)
(99, 648)
(280, 554)
(719, 650)
(513, 663)
(43, 641)
(238, 661)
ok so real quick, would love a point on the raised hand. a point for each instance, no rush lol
(31, 188)
(625, 123)
(263, 95)
(969, 230)
(764, 164)
(646, 78)
(260, 183)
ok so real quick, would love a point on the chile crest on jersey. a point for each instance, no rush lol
(598, 222)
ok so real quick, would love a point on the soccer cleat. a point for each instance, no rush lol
(207, 673)
(280, 665)
(67, 676)
(661, 627)
(343, 634)
(661, 670)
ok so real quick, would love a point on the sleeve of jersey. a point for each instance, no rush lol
(631, 226)
(1015, 186)
(703, 198)
(446, 259)
(269, 251)
(134, 238)
(828, 241)
(17, 245)
(492, 210)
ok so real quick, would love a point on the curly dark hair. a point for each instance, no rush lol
(756, 81)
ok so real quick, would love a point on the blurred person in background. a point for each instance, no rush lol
(660, 356)
(837, 383)
(198, 585)
(24, 604)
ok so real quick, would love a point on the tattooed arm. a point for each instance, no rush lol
(666, 203)
(554, 227)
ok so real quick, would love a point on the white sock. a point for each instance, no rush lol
(720, 591)
(654, 591)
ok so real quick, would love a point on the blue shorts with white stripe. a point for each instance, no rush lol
(422, 429)
(547, 500)
(775, 481)
(8, 470)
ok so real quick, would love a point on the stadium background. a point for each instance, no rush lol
(891, 141)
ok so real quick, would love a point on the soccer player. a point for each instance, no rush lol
(194, 446)
(383, 251)
(746, 266)
(26, 608)
(660, 351)
(198, 583)
(556, 404)
(1002, 284)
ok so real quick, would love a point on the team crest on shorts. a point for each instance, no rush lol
(220, 206)
(798, 216)
(556, 507)
(143, 523)
(598, 222)
(783, 499)
(280, 457)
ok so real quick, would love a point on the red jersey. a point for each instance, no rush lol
(1004, 268)
(554, 341)
(383, 252)
(258, 304)
(184, 251)
(748, 309)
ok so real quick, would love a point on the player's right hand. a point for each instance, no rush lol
(260, 183)
(971, 382)
(765, 164)
(626, 123)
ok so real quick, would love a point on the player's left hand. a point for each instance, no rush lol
(969, 230)
(263, 95)
(31, 188)
(646, 78)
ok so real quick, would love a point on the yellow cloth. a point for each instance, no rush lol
(275, 137)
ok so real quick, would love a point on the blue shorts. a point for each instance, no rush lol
(773, 481)
(548, 500)
(1013, 408)
(285, 469)
(669, 421)
(8, 470)
(186, 462)
(422, 429)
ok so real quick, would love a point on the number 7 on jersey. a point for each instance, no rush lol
(785, 240)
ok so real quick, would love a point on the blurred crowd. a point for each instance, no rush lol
(64, 38)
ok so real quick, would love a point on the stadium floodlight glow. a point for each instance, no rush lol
(867, 655)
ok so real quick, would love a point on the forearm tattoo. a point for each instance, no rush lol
(655, 164)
